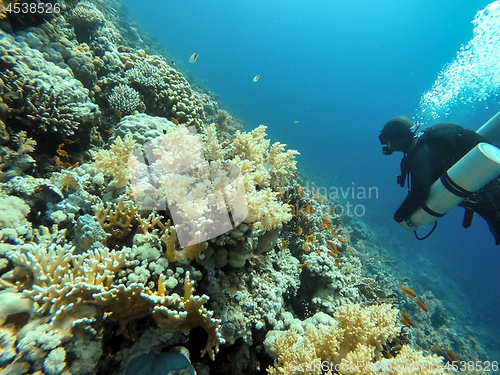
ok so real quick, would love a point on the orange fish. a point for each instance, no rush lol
(405, 320)
(451, 356)
(408, 291)
(331, 245)
(310, 239)
(422, 305)
(285, 245)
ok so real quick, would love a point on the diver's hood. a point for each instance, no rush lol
(396, 135)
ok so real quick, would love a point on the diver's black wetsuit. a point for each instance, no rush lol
(434, 153)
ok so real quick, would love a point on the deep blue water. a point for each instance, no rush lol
(341, 69)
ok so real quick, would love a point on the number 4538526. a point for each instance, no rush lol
(24, 8)
(485, 366)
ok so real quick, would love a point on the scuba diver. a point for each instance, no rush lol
(427, 156)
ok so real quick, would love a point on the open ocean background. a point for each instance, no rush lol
(331, 74)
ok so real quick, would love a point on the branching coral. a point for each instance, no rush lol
(116, 219)
(145, 75)
(168, 235)
(66, 287)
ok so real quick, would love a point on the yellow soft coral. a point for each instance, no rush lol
(264, 169)
(114, 161)
(350, 344)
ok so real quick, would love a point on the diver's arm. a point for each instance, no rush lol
(421, 181)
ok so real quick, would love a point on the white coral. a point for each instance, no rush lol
(55, 363)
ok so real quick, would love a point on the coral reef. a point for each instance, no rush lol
(142, 227)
